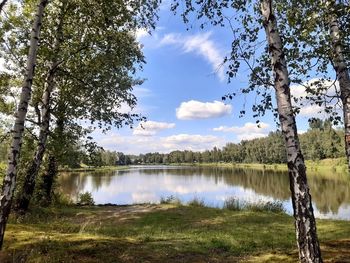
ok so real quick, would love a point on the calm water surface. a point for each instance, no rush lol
(140, 184)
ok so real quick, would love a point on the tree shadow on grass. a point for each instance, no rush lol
(336, 251)
(175, 234)
(92, 250)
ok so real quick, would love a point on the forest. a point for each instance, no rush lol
(321, 141)
(71, 67)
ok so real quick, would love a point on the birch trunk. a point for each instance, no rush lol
(27, 191)
(305, 224)
(2, 4)
(26, 194)
(9, 182)
(48, 179)
(342, 72)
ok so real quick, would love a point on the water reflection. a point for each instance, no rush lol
(331, 197)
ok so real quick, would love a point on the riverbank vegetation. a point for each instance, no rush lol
(321, 144)
(162, 233)
(321, 141)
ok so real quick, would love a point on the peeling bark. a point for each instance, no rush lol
(342, 71)
(22, 203)
(2, 4)
(9, 182)
(305, 224)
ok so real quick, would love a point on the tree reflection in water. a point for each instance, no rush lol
(154, 182)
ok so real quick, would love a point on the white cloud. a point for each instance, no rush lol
(312, 111)
(190, 141)
(150, 128)
(141, 33)
(141, 92)
(300, 91)
(248, 127)
(248, 131)
(171, 39)
(251, 136)
(144, 144)
(200, 44)
(192, 110)
(140, 108)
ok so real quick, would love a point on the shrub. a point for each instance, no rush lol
(59, 199)
(234, 204)
(170, 200)
(196, 202)
(274, 206)
(86, 199)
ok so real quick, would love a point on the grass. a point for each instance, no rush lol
(162, 233)
(235, 204)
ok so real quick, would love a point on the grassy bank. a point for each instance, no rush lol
(92, 169)
(325, 168)
(163, 233)
(258, 166)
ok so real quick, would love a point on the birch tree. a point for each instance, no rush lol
(9, 182)
(305, 224)
(317, 33)
(321, 27)
(92, 58)
(249, 18)
(342, 70)
(44, 117)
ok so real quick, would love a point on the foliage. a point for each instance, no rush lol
(197, 202)
(169, 200)
(321, 141)
(97, 59)
(86, 199)
(2, 171)
(232, 204)
(305, 26)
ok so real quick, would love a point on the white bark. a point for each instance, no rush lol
(305, 224)
(342, 71)
(31, 174)
(2, 4)
(9, 182)
(27, 191)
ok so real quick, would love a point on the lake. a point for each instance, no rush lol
(213, 185)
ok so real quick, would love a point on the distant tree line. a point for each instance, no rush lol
(319, 142)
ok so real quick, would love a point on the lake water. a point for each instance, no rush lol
(141, 184)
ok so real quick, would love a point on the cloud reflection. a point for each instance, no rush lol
(212, 185)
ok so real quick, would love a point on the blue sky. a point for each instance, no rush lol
(181, 96)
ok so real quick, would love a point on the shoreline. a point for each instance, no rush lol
(332, 166)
